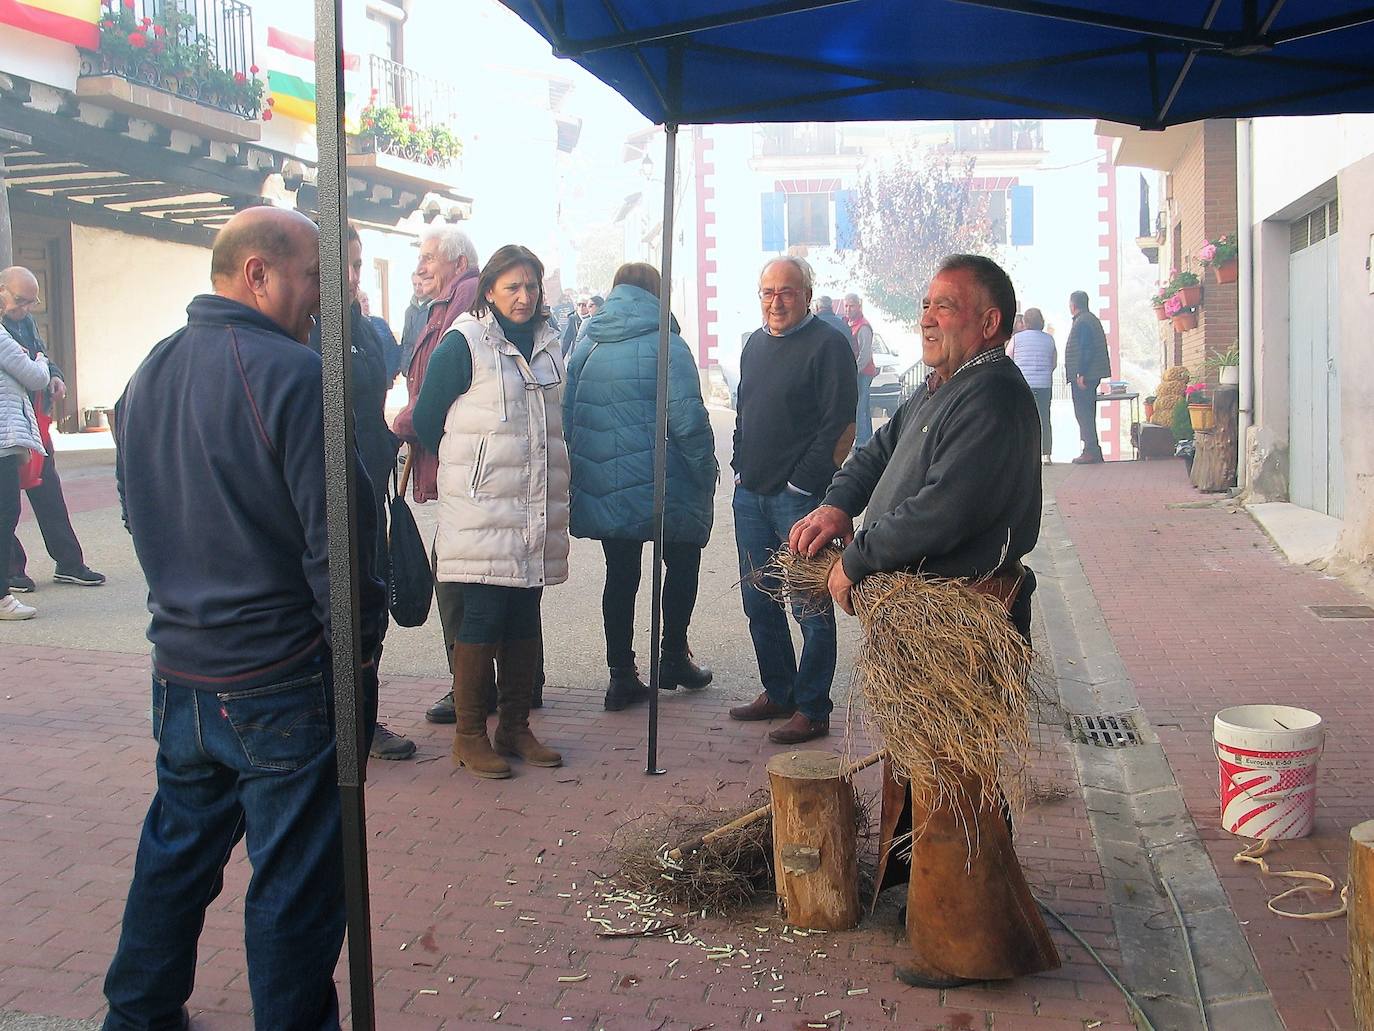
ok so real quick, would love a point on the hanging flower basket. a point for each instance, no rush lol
(1160, 313)
(1200, 416)
(1189, 296)
(1185, 320)
(1227, 273)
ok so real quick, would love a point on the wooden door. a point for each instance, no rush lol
(44, 247)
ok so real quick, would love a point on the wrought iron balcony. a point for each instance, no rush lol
(409, 115)
(800, 139)
(999, 135)
(201, 50)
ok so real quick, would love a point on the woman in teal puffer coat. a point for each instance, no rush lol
(608, 420)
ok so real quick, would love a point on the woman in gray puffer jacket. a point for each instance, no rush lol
(19, 374)
(609, 415)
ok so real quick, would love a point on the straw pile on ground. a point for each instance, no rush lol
(948, 681)
(1168, 394)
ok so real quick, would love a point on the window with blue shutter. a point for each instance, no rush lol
(1022, 215)
(774, 208)
(845, 237)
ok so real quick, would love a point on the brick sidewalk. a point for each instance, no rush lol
(445, 847)
(1206, 613)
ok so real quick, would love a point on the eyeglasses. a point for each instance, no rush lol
(23, 302)
(787, 295)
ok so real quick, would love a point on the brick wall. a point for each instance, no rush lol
(1202, 206)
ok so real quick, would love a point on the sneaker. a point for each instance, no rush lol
(22, 584)
(82, 576)
(442, 711)
(12, 608)
(386, 745)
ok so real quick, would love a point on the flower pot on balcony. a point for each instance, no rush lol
(1190, 296)
(1185, 320)
(1226, 273)
(1160, 313)
(1200, 416)
(1229, 375)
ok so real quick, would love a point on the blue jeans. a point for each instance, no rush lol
(256, 764)
(863, 417)
(762, 522)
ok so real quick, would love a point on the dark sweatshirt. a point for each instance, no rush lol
(951, 485)
(220, 467)
(797, 396)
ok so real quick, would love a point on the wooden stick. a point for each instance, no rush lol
(405, 471)
(749, 819)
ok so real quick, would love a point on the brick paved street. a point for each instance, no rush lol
(1203, 611)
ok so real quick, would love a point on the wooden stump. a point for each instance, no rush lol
(1361, 923)
(1214, 464)
(815, 840)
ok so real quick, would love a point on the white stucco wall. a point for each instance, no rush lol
(1356, 186)
(1293, 156)
(129, 293)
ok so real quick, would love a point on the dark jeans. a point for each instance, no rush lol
(50, 509)
(762, 522)
(1085, 408)
(9, 510)
(682, 565)
(863, 421)
(260, 765)
(1042, 405)
(492, 614)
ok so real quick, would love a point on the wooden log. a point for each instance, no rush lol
(1214, 462)
(1361, 924)
(815, 840)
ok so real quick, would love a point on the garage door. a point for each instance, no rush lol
(1314, 453)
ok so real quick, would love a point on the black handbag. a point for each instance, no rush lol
(412, 580)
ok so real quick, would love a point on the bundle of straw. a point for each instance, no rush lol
(946, 677)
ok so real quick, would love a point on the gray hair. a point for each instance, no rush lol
(854, 299)
(800, 264)
(453, 243)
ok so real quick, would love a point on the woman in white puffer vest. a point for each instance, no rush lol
(19, 375)
(491, 407)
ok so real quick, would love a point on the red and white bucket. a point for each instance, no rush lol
(1268, 758)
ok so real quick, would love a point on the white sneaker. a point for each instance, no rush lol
(12, 608)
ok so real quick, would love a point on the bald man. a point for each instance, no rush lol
(18, 296)
(220, 466)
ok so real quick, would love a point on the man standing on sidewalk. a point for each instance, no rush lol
(862, 330)
(794, 424)
(220, 467)
(18, 295)
(1086, 363)
(950, 487)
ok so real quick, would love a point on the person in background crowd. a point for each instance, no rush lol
(610, 413)
(391, 350)
(1036, 356)
(950, 487)
(793, 426)
(864, 365)
(594, 303)
(572, 326)
(417, 314)
(220, 468)
(376, 445)
(18, 295)
(20, 374)
(1086, 364)
(824, 309)
(491, 408)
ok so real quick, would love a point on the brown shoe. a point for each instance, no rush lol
(1086, 459)
(761, 708)
(798, 729)
(517, 669)
(471, 746)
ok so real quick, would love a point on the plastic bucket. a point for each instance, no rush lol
(1268, 756)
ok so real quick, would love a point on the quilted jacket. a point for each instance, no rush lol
(19, 374)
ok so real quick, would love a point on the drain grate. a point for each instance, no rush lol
(1105, 730)
(1341, 611)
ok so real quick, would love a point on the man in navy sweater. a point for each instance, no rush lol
(794, 424)
(220, 466)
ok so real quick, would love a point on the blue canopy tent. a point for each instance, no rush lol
(1149, 64)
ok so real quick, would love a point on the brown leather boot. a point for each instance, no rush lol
(515, 686)
(471, 665)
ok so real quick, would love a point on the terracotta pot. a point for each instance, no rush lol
(1190, 296)
(1185, 321)
(1226, 273)
(1200, 416)
(1160, 313)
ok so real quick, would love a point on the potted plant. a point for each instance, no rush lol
(1157, 302)
(1183, 316)
(1227, 364)
(1221, 254)
(1199, 405)
(1185, 285)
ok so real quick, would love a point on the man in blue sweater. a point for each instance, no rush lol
(220, 466)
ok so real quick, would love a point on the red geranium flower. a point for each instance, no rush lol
(159, 31)
(240, 77)
(253, 68)
(129, 4)
(267, 116)
(138, 40)
(107, 25)
(271, 101)
(147, 21)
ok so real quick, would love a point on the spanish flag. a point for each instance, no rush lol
(71, 21)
